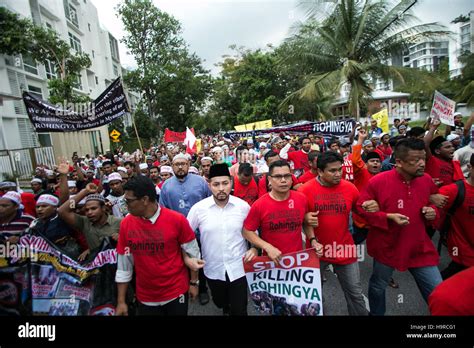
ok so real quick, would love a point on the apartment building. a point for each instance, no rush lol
(77, 22)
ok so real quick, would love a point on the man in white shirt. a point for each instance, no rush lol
(220, 219)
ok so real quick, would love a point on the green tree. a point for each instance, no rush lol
(466, 81)
(146, 128)
(21, 36)
(172, 81)
(351, 46)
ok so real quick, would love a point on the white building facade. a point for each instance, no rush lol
(426, 55)
(463, 42)
(77, 22)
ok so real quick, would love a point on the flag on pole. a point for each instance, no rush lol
(190, 141)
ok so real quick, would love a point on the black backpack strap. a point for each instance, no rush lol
(459, 197)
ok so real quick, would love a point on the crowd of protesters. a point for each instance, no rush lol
(182, 222)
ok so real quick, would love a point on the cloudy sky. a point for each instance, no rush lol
(211, 26)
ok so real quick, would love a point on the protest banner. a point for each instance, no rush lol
(291, 288)
(382, 120)
(15, 297)
(46, 117)
(54, 284)
(326, 128)
(443, 109)
(254, 125)
(175, 137)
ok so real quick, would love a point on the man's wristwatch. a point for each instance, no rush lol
(196, 283)
(311, 240)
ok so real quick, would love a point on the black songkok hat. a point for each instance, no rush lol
(373, 154)
(220, 169)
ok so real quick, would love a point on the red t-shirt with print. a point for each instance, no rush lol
(161, 274)
(262, 184)
(446, 171)
(461, 232)
(248, 193)
(307, 176)
(300, 160)
(334, 205)
(280, 222)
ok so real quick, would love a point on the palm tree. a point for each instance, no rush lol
(352, 44)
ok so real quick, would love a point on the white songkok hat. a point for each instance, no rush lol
(143, 166)
(193, 170)
(12, 196)
(206, 158)
(180, 156)
(114, 176)
(48, 199)
(166, 169)
(37, 180)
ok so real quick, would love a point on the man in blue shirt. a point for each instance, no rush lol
(180, 193)
(374, 129)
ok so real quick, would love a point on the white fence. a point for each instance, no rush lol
(21, 163)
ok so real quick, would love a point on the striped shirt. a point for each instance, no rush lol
(17, 226)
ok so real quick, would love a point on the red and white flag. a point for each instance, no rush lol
(190, 141)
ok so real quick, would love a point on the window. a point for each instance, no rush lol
(45, 139)
(78, 82)
(89, 26)
(27, 133)
(93, 54)
(96, 80)
(50, 70)
(113, 47)
(72, 15)
(75, 43)
(115, 70)
(49, 26)
(36, 91)
(29, 64)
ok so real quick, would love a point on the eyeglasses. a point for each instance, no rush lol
(279, 177)
(180, 164)
(130, 200)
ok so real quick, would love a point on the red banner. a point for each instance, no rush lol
(175, 137)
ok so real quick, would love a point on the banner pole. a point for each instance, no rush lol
(136, 132)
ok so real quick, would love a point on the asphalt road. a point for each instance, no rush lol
(406, 300)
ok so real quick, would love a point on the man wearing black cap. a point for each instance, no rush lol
(220, 219)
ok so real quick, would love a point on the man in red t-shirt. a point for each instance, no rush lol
(245, 186)
(313, 172)
(461, 231)
(439, 161)
(264, 184)
(157, 243)
(332, 199)
(454, 296)
(300, 157)
(280, 216)
(439, 158)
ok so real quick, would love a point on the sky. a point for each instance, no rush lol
(211, 26)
